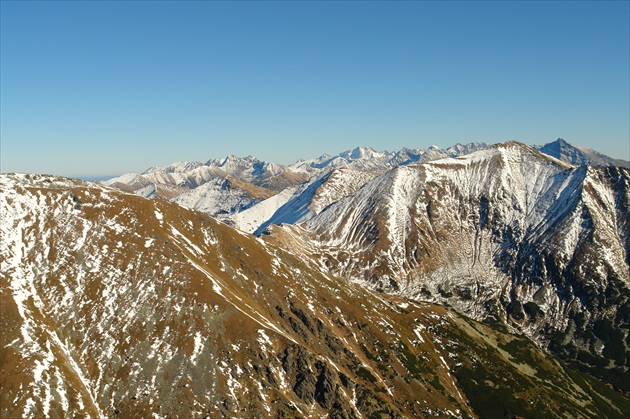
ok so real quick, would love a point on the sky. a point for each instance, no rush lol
(103, 88)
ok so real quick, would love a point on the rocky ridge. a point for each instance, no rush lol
(301, 178)
(119, 306)
(249, 174)
(505, 234)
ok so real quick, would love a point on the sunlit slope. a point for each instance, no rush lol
(115, 305)
(505, 233)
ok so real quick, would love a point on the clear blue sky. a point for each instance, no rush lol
(102, 88)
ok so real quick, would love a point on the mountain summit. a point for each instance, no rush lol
(505, 234)
(183, 177)
(579, 156)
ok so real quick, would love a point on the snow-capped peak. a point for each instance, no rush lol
(177, 167)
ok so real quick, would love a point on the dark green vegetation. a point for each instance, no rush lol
(581, 348)
(516, 379)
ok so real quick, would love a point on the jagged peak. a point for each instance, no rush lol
(363, 153)
(229, 159)
(233, 160)
(579, 155)
(215, 162)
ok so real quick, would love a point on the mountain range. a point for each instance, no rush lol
(227, 200)
(476, 281)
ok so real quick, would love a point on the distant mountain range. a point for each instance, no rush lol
(474, 281)
(233, 185)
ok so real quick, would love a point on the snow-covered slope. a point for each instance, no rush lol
(178, 178)
(114, 305)
(191, 175)
(252, 218)
(338, 177)
(222, 197)
(579, 156)
(506, 232)
(304, 202)
(367, 159)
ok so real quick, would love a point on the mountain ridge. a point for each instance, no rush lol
(579, 155)
(117, 305)
(490, 233)
(491, 282)
(169, 181)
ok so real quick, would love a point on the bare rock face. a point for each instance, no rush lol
(114, 305)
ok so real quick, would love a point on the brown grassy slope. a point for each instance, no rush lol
(120, 306)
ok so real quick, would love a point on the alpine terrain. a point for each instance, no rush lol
(477, 281)
(225, 187)
(506, 234)
(580, 156)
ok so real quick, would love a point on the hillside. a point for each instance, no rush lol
(505, 234)
(114, 305)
